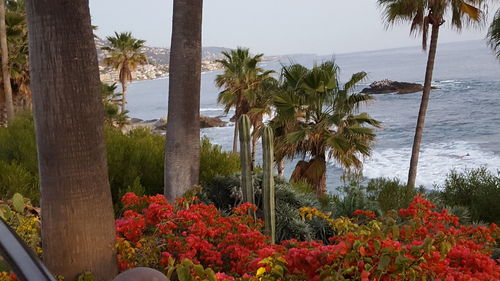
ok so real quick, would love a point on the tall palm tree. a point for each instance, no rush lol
(494, 34)
(317, 117)
(182, 148)
(7, 87)
(423, 14)
(241, 80)
(17, 41)
(125, 56)
(78, 228)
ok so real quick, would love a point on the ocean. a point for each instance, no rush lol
(463, 115)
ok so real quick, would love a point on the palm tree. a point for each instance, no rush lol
(7, 87)
(125, 56)
(494, 34)
(78, 227)
(17, 41)
(241, 80)
(182, 148)
(422, 14)
(261, 105)
(317, 117)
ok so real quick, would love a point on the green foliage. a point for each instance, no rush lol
(494, 34)
(112, 102)
(225, 193)
(246, 159)
(390, 194)
(17, 143)
(134, 159)
(215, 162)
(18, 159)
(268, 188)
(24, 219)
(15, 178)
(478, 190)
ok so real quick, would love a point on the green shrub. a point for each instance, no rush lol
(390, 194)
(14, 178)
(225, 193)
(215, 162)
(478, 190)
(134, 159)
(18, 159)
(17, 143)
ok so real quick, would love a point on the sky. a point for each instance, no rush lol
(272, 27)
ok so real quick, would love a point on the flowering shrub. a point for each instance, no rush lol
(417, 243)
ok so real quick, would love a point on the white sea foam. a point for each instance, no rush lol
(435, 161)
(211, 109)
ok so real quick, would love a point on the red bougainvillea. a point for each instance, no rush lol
(415, 243)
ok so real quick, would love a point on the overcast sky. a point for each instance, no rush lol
(270, 26)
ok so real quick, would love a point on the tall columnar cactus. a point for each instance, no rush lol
(268, 183)
(246, 159)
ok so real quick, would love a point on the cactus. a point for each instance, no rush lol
(268, 183)
(246, 160)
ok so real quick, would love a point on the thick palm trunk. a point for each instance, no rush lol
(412, 174)
(182, 158)
(78, 231)
(9, 104)
(124, 95)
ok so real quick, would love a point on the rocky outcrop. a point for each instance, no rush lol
(159, 126)
(210, 122)
(388, 86)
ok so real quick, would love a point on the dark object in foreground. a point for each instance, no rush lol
(25, 264)
(388, 86)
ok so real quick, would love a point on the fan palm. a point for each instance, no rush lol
(241, 81)
(125, 56)
(494, 34)
(317, 117)
(422, 14)
(17, 40)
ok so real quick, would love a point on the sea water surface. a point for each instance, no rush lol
(463, 116)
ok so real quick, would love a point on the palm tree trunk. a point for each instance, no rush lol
(124, 95)
(280, 166)
(78, 227)
(9, 104)
(182, 149)
(412, 174)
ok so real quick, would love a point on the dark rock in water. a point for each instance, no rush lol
(388, 86)
(209, 122)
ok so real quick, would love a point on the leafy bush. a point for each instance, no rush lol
(215, 162)
(14, 178)
(415, 243)
(24, 219)
(135, 160)
(390, 194)
(478, 190)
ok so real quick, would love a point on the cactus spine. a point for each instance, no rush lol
(268, 183)
(246, 159)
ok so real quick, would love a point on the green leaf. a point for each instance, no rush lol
(384, 262)
(18, 203)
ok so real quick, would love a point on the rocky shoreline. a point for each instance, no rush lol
(159, 126)
(150, 71)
